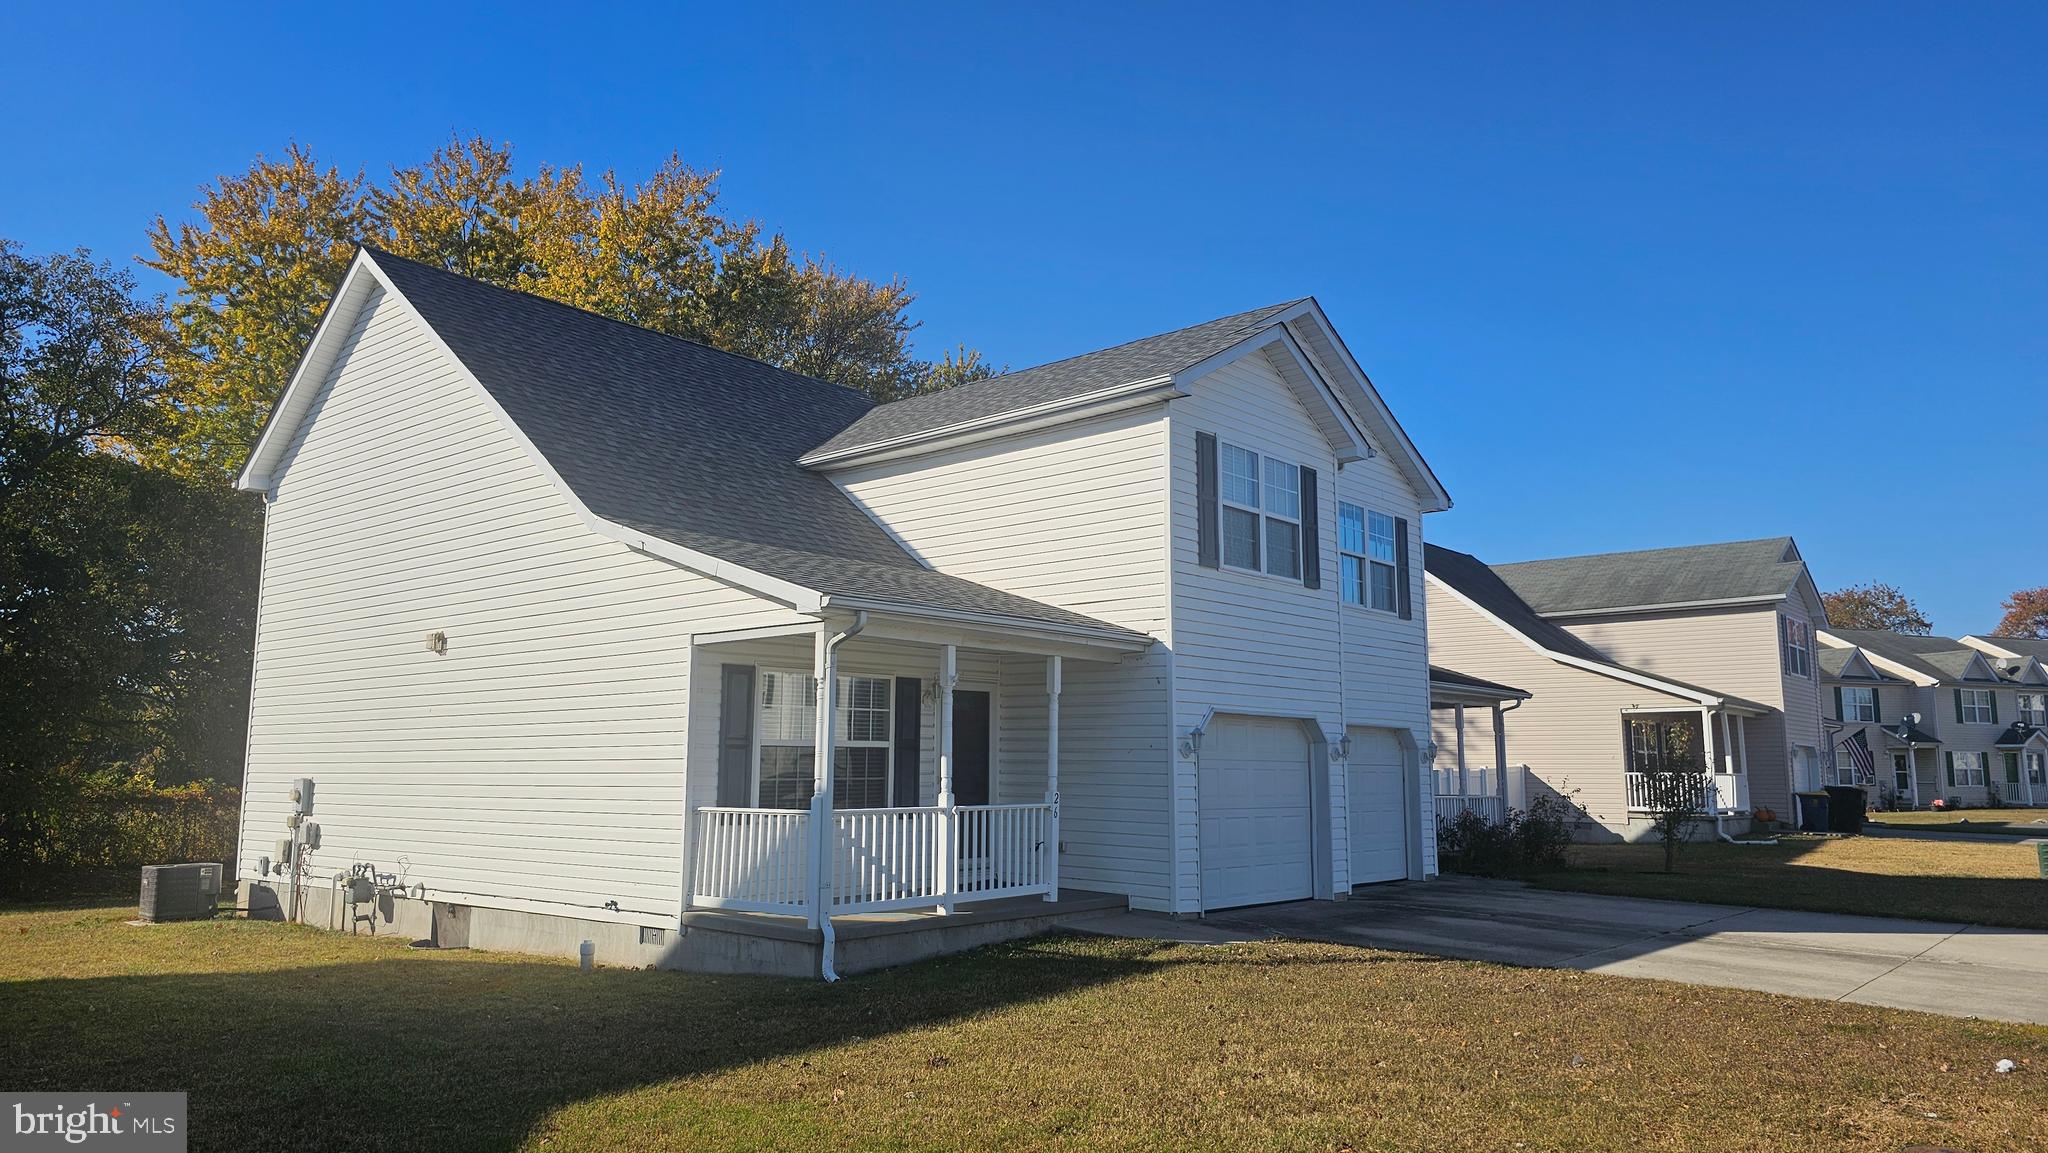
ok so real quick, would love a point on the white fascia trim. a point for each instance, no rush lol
(1100, 402)
(1467, 694)
(1359, 446)
(1628, 610)
(1615, 671)
(1990, 645)
(284, 421)
(1080, 634)
(1310, 308)
(797, 597)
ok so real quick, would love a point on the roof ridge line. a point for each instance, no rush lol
(376, 252)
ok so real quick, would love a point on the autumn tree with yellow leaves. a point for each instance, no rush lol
(255, 267)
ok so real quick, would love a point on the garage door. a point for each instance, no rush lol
(1257, 843)
(1379, 809)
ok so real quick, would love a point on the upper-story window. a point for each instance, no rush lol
(1858, 704)
(1975, 707)
(1366, 552)
(1795, 647)
(2034, 708)
(1261, 513)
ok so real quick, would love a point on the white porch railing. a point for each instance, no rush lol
(1719, 792)
(1476, 790)
(756, 860)
(751, 860)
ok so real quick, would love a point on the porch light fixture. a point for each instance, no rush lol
(1344, 747)
(437, 643)
(1192, 743)
(1429, 751)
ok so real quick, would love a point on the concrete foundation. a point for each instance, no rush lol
(703, 941)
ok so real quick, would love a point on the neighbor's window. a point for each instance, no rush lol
(1365, 543)
(1795, 644)
(861, 744)
(1859, 704)
(1261, 505)
(1976, 706)
(2034, 708)
(1969, 769)
(1902, 773)
(2037, 768)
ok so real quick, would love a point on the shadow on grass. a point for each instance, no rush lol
(411, 1051)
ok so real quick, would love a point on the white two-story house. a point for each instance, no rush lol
(583, 632)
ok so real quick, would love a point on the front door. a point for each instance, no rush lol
(970, 748)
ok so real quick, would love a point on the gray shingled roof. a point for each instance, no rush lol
(2018, 735)
(2028, 646)
(689, 444)
(1693, 574)
(1943, 658)
(1145, 359)
(1483, 586)
(1439, 675)
(1834, 660)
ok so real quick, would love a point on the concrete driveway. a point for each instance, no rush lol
(1961, 970)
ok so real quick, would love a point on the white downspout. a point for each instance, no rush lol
(827, 673)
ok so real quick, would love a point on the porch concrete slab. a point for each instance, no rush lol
(1932, 966)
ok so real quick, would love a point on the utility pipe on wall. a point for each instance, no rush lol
(826, 671)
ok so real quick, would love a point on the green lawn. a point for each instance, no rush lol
(2019, 822)
(1989, 884)
(291, 1038)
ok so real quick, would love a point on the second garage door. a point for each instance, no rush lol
(1257, 836)
(1379, 809)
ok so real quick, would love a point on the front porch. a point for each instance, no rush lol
(877, 780)
(1712, 742)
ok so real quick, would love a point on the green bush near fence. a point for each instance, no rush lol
(103, 824)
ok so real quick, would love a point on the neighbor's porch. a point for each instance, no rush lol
(1468, 713)
(1713, 742)
(876, 770)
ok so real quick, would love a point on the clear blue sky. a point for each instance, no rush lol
(1631, 275)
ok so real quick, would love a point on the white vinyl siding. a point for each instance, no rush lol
(1074, 516)
(538, 762)
(1247, 644)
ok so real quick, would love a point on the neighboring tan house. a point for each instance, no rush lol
(1979, 736)
(552, 605)
(1701, 655)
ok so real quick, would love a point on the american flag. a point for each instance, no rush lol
(1859, 755)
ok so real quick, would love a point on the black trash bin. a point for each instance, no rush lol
(1813, 812)
(1845, 809)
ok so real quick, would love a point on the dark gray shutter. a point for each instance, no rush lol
(736, 736)
(1401, 568)
(1876, 706)
(1959, 716)
(1311, 532)
(1208, 514)
(1951, 768)
(1993, 698)
(909, 727)
(1840, 715)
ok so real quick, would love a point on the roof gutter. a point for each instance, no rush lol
(1112, 399)
(1107, 635)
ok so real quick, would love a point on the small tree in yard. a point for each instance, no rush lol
(1677, 797)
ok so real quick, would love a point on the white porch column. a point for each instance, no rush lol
(1052, 777)
(1500, 758)
(948, 826)
(1913, 771)
(1727, 760)
(824, 669)
(1458, 721)
(1742, 756)
(1707, 751)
